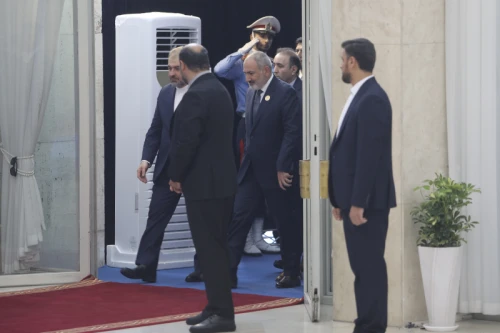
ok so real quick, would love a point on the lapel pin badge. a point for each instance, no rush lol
(267, 98)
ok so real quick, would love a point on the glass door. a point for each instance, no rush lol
(314, 167)
(53, 244)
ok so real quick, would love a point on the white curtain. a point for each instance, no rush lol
(29, 32)
(472, 95)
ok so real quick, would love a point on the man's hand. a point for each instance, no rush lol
(141, 171)
(284, 179)
(248, 46)
(336, 214)
(175, 187)
(356, 216)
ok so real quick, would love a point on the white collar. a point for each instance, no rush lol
(197, 76)
(264, 88)
(183, 89)
(358, 85)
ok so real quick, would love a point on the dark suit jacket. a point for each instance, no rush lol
(158, 137)
(298, 88)
(201, 158)
(273, 135)
(360, 156)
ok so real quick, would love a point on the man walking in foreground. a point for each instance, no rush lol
(163, 201)
(361, 185)
(201, 166)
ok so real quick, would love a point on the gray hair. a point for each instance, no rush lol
(261, 59)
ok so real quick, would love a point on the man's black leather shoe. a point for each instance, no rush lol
(288, 282)
(140, 272)
(194, 277)
(197, 319)
(278, 264)
(214, 324)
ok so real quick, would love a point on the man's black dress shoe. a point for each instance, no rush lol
(278, 264)
(197, 319)
(140, 272)
(194, 277)
(288, 282)
(214, 324)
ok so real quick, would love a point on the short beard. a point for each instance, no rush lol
(346, 77)
(184, 79)
(262, 49)
(180, 84)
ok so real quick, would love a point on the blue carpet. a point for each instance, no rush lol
(255, 276)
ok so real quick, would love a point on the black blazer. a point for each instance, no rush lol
(297, 85)
(201, 158)
(158, 136)
(273, 136)
(361, 155)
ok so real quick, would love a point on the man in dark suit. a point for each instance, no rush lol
(287, 67)
(163, 201)
(361, 185)
(273, 131)
(201, 165)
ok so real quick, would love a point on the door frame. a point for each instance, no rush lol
(83, 25)
(317, 62)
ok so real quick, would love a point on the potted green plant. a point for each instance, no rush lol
(440, 238)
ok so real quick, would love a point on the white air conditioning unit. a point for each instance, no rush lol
(143, 44)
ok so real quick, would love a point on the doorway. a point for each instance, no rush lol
(223, 33)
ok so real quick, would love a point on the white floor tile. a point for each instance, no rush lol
(294, 319)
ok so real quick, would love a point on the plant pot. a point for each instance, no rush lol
(440, 269)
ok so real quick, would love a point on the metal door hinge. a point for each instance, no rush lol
(305, 178)
(323, 179)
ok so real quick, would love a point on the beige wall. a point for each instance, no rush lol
(409, 39)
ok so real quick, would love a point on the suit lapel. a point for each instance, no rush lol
(169, 108)
(170, 104)
(348, 114)
(267, 97)
(298, 85)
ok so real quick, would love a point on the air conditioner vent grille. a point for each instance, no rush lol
(170, 38)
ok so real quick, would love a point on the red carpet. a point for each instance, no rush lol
(96, 306)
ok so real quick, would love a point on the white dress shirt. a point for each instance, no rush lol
(264, 88)
(179, 93)
(354, 91)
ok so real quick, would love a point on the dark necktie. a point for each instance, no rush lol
(256, 103)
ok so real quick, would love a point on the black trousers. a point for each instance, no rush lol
(248, 200)
(161, 209)
(209, 221)
(365, 248)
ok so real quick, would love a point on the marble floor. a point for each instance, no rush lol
(294, 319)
